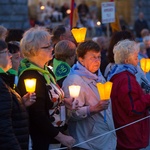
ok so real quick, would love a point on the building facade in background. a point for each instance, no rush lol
(14, 14)
(17, 13)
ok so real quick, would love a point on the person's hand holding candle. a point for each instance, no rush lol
(30, 85)
(29, 98)
(69, 103)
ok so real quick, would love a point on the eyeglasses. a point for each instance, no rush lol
(4, 51)
(47, 47)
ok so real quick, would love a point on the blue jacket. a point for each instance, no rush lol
(82, 125)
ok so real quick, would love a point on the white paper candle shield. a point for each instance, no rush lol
(74, 90)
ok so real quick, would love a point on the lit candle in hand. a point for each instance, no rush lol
(104, 91)
(30, 85)
(74, 91)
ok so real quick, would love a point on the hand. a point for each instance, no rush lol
(71, 103)
(65, 140)
(28, 99)
(101, 105)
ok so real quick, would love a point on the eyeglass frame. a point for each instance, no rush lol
(4, 51)
(47, 47)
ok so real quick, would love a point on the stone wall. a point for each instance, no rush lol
(14, 14)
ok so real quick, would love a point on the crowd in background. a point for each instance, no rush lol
(87, 16)
(53, 56)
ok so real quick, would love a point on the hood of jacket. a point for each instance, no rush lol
(117, 68)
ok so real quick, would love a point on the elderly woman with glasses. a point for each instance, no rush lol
(129, 102)
(47, 114)
(14, 130)
(87, 121)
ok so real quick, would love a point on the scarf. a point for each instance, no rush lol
(80, 70)
(118, 68)
(26, 65)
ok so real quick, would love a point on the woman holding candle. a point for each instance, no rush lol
(47, 114)
(129, 102)
(140, 76)
(88, 120)
(14, 132)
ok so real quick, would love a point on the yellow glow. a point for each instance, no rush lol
(145, 64)
(104, 90)
(30, 85)
(68, 11)
(79, 34)
(42, 7)
(74, 90)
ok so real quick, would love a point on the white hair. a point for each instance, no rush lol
(123, 49)
(146, 38)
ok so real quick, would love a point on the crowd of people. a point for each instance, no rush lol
(87, 16)
(50, 117)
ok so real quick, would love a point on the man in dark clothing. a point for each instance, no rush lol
(140, 24)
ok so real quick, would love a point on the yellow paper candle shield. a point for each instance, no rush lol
(30, 85)
(79, 34)
(74, 90)
(104, 90)
(145, 64)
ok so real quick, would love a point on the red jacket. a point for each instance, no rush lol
(129, 103)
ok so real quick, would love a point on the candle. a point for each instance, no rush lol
(104, 90)
(74, 91)
(79, 34)
(30, 85)
(145, 64)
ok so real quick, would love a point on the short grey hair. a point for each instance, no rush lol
(123, 49)
(146, 38)
(64, 49)
(32, 39)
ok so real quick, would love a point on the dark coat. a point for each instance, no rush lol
(13, 118)
(129, 104)
(139, 25)
(42, 130)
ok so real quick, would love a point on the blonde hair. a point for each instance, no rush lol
(32, 39)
